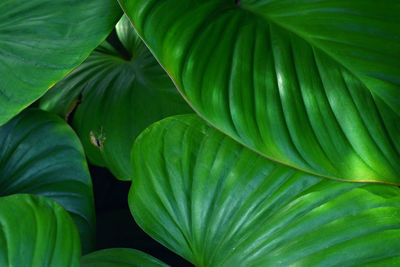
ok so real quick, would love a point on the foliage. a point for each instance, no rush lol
(292, 157)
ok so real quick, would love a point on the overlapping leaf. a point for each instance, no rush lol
(217, 203)
(36, 231)
(118, 96)
(311, 84)
(41, 155)
(42, 40)
(120, 257)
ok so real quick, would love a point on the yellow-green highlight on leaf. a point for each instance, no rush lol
(311, 84)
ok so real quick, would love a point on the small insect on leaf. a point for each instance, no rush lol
(98, 139)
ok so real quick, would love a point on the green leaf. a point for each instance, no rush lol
(120, 257)
(314, 84)
(43, 40)
(217, 203)
(36, 231)
(119, 96)
(41, 155)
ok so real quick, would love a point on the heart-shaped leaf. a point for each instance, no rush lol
(42, 40)
(217, 203)
(119, 96)
(36, 231)
(120, 257)
(314, 84)
(41, 155)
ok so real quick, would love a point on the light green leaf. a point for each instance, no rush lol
(217, 203)
(120, 257)
(36, 232)
(314, 84)
(41, 155)
(43, 40)
(118, 98)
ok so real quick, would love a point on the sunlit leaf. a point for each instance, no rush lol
(217, 203)
(314, 84)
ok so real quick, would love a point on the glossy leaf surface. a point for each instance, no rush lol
(120, 257)
(42, 40)
(118, 96)
(41, 155)
(217, 203)
(36, 231)
(314, 84)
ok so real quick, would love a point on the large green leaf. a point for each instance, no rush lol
(36, 232)
(41, 155)
(217, 203)
(42, 40)
(314, 84)
(120, 257)
(119, 96)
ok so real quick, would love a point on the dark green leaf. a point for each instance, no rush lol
(314, 84)
(42, 40)
(41, 155)
(119, 97)
(120, 257)
(217, 203)
(36, 231)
